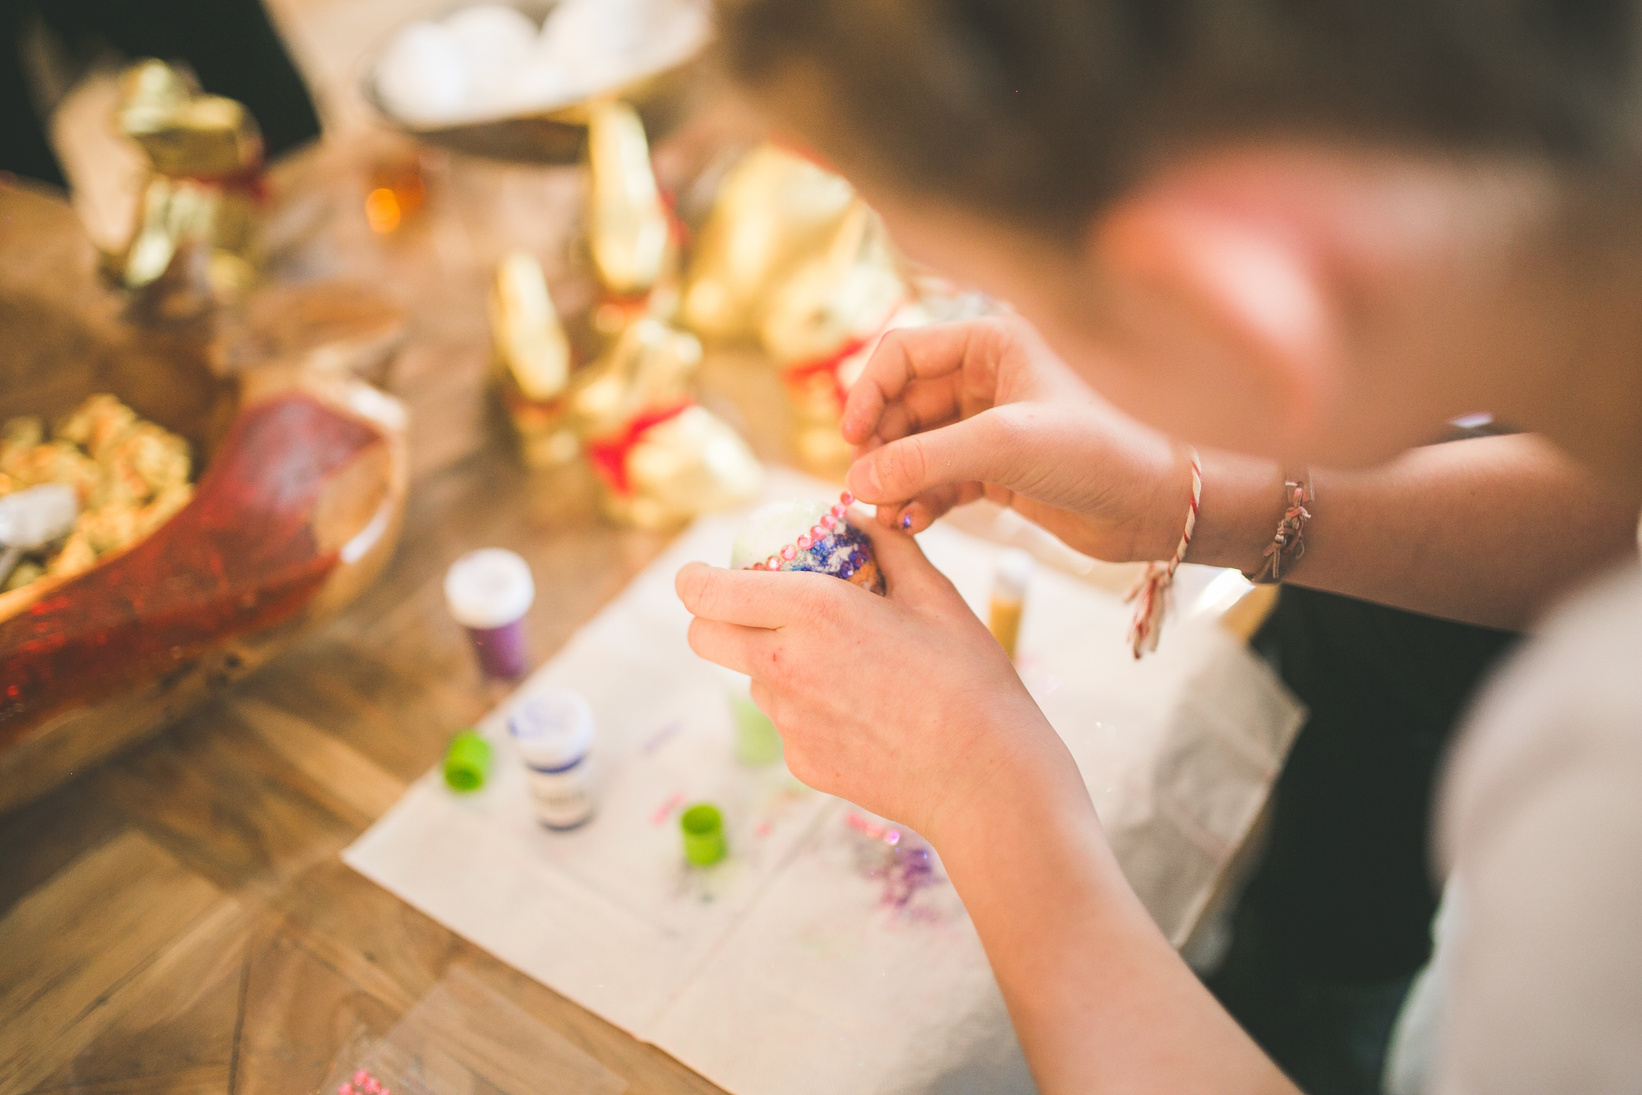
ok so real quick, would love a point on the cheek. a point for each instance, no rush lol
(1157, 370)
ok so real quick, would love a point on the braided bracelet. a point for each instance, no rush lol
(1151, 590)
(1288, 545)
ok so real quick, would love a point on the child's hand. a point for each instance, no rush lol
(904, 703)
(945, 414)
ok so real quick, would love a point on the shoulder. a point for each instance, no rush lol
(1570, 699)
(1542, 824)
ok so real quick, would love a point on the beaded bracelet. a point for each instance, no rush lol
(1288, 545)
(1151, 590)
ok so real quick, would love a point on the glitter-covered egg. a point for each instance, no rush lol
(802, 535)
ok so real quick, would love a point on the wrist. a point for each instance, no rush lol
(1029, 777)
(1161, 513)
(1242, 502)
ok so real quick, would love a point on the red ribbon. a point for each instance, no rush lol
(798, 375)
(251, 181)
(609, 455)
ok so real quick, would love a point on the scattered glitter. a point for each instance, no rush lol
(904, 867)
(661, 737)
(863, 824)
(665, 810)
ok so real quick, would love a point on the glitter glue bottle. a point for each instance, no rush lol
(488, 592)
(1009, 597)
(553, 731)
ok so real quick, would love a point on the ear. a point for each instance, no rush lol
(1223, 303)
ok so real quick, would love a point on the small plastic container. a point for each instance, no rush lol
(1009, 597)
(757, 742)
(703, 829)
(553, 732)
(488, 592)
(467, 761)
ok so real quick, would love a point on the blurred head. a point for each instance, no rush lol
(1311, 229)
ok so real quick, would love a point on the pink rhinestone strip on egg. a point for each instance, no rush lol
(821, 531)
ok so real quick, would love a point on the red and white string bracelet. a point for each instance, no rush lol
(1151, 592)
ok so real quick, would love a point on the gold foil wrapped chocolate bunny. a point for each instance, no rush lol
(532, 361)
(205, 152)
(661, 458)
(822, 323)
(629, 228)
(776, 209)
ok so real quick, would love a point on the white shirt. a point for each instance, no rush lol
(1541, 825)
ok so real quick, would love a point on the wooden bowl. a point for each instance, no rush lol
(296, 509)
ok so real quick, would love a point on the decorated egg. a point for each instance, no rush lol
(803, 535)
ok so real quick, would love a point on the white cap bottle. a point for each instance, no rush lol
(552, 728)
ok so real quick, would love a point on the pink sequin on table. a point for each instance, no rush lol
(817, 533)
(345, 1089)
(373, 1086)
(829, 521)
(846, 499)
(837, 513)
(361, 1076)
(773, 563)
(804, 543)
(789, 552)
(665, 810)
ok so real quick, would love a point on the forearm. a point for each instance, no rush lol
(1486, 531)
(1100, 1001)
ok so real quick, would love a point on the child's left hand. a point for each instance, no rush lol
(904, 704)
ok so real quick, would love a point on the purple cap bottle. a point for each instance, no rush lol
(488, 592)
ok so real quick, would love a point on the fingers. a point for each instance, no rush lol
(907, 573)
(924, 405)
(902, 357)
(743, 649)
(750, 598)
(929, 507)
(977, 449)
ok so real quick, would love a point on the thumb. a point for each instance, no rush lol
(906, 570)
(978, 449)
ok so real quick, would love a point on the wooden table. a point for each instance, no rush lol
(177, 919)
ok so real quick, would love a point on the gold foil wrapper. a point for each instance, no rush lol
(206, 156)
(822, 324)
(183, 131)
(776, 209)
(629, 230)
(661, 459)
(532, 361)
(840, 296)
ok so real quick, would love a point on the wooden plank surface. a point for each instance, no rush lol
(177, 919)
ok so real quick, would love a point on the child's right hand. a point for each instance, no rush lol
(945, 414)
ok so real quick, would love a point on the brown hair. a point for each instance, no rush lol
(1038, 111)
